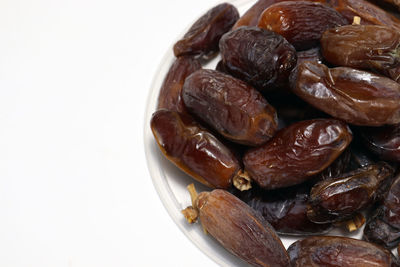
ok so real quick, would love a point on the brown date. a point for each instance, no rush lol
(300, 22)
(330, 251)
(285, 209)
(387, 217)
(230, 106)
(194, 149)
(368, 12)
(259, 57)
(203, 37)
(170, 93)
(383, 141)
(250, 18)
(240, 229)
(380, 232)
(355, 96)
(297, 153)
(339, 198)
(369, 47)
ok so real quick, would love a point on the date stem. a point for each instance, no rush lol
(356, 20)
(242, 181)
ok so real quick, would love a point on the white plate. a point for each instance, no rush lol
(171, 183)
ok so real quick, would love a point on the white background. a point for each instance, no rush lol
(74, 185)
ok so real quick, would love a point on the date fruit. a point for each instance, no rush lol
(300, 22)
(203, 37)
(285, 209)
(355, 96)
(297, 153)
(339, 198)
(387, 217)
(330, 251)
(170, 93)
(369, 47)
(194, 149)
(259, 57)
(230, 106)
(240, 229)
(383, 141)
(368, 12)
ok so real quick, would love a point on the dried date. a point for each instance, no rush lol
(170, 93)
(329, 251)
(368, 12)
(285, 209)
(259, 57)
(203, 37)
(230, 106)
(355, 96)
(300, 22)
(194, 149)
(239, 229)
(339, 198)
(297, 153)
(369, 47)
(387, 217)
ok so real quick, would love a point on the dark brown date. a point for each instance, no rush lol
(250, 18)
(368, 12)
(383, 141)
(240, 229)
(300, 22)
(230, 106)
(203, 37)
(297, 152)
(339, 198)
(260, 57)
(330, 251)
(355, 96)
(380, 232)
(369, 47)
(194, 149)
(170, 93)
(387, 217)
(285, 209)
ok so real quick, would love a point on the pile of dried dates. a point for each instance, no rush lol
(296, 131)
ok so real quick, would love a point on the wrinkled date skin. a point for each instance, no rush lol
(370, 47)
(285, 209)
(355, 96)
(301, 23)
(250, 18)
(330, 251)
(384, 226)
(383, 141)
(230, 106)
(194, 149)
(259, 57)
(368, 12)
(170, 93)
(339, 198)
(297, 152)
(240, 229)
(203, 37)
